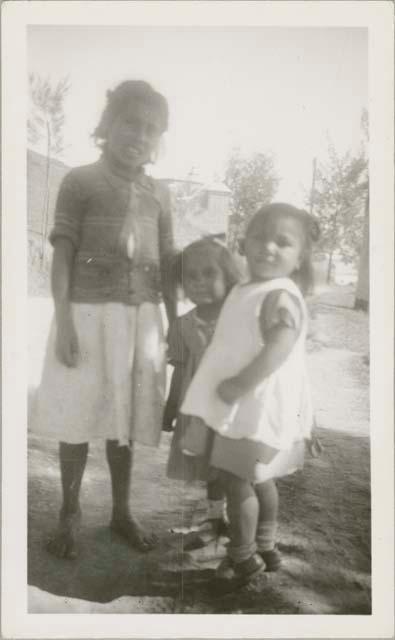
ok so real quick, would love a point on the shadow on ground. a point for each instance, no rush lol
(324, 538)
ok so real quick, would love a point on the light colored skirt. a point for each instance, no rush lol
(117, 390)
(254, 461)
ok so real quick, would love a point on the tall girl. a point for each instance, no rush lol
(104, 371)
(206, 271)
(252, 386)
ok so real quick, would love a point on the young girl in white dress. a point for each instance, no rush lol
(104, 372)
(252, 388)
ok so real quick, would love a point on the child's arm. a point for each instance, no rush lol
(66, 338)
(177, 357)
(65, 238)
(279, 322)
(173, 400)
(280, 340)
(166, 242)
(169, 298)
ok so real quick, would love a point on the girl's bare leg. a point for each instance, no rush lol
(122, 522)
(72, 465)
(268, 514)
(243, 511)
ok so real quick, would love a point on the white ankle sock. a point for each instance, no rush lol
(266, 535)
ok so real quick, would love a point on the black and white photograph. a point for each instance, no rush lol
(199, 237)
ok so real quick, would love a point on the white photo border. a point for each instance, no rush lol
(377, 16)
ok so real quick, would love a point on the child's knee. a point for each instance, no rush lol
(269, 486)
(236, 487)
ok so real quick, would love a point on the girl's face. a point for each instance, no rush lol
(274, 247)
(203, 279)
(133, 135)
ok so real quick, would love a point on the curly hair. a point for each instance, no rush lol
(121, 96)
(304, 276)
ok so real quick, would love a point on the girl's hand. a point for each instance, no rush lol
(230, 390)
(168, 425)
(169, 418)
(173, 401)
(66, 348)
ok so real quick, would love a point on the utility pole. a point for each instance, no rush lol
(312, 192)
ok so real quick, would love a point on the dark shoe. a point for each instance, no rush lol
(248, 569)
(225, 571)
(272, 559)
(240, 573)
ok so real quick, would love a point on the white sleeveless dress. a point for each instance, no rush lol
(265, 429)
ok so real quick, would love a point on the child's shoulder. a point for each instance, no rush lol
(269, 295)
(272, 287)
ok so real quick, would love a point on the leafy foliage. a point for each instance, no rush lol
(46, 118)
(340, 193)
(45, 126)
(253, 182)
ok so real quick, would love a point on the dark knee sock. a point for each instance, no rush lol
(119, 460)
(72, 465)
(216, 500)
(267, 494)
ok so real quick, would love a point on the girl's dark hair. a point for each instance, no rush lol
(304, 276)
(225, 260)
(118, 99)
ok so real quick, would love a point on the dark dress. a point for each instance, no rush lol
(188, 339)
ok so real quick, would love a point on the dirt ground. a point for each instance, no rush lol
(324, 530)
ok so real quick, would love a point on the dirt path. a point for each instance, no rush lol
(325, 511)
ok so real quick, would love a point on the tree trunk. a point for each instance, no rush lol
(46, 196)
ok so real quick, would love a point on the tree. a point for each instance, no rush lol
(340, 192)
(253, 181)
(45, 125)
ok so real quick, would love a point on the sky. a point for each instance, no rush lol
(263, 89)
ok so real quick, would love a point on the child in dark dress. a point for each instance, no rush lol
(206, 272)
